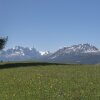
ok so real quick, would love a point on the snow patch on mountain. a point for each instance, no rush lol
(81, 48)
(43, 53)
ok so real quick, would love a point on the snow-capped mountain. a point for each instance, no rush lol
(77, 49)
(82, 53)
(19, 53)
(44, 53)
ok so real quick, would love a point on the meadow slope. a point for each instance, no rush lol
(50, 82)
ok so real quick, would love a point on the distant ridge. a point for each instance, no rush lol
(81, 53)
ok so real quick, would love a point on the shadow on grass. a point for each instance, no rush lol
(15, 65)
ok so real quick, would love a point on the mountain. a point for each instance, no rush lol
(82, 53)
(19, 53)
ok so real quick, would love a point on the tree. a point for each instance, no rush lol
(3, 42)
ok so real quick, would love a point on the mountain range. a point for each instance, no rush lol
(81, 53)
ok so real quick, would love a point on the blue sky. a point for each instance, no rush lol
(50, 24)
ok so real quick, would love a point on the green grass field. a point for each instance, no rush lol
(50, 82)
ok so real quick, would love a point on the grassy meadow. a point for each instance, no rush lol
(49, 82)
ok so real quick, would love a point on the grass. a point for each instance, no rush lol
(50, 82)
